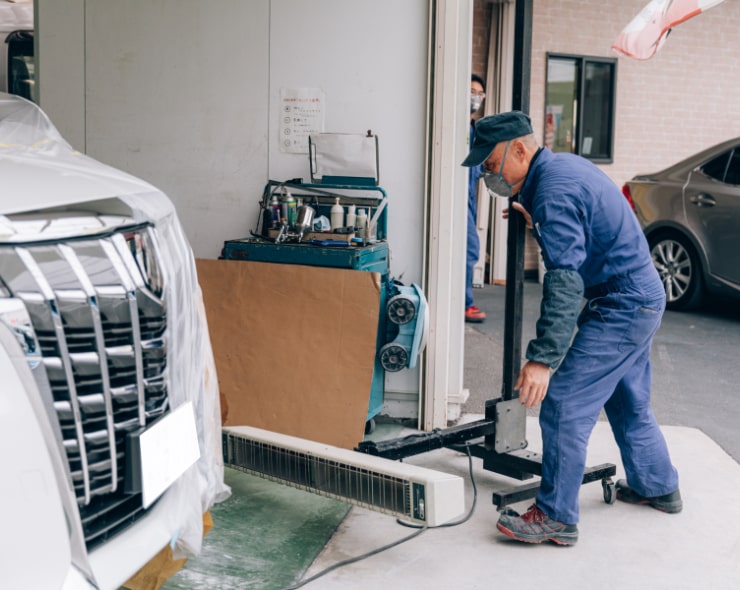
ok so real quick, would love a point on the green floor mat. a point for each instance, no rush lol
(264, 537)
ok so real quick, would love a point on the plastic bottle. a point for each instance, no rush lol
(337, 215)
(361, 223)
(351, 216)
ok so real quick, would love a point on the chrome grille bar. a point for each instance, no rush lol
(97, 333)
(76, 266)
(119, 257)
(48, 294)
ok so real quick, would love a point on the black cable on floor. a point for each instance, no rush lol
(358, 558)
(421, 529)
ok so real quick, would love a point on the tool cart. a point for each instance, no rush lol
(345, 249)
(339, 220)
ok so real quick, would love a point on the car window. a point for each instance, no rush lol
(716, 167)
(733, 170)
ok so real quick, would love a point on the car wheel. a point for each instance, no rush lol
(679, 269)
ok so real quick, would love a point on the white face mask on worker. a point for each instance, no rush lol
(497, 186)
(495, 183)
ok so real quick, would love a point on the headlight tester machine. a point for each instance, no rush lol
(499, 439)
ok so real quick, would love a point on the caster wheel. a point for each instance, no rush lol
(393, 357)
(370, 426)
(401, 310)
(610, 491)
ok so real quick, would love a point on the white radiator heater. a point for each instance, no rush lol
(409, 492)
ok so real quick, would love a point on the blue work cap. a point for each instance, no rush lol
(493, 129)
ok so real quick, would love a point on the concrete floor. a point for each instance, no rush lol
(620, 545)
(268, 536)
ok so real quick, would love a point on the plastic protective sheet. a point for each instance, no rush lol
(29, 140)
(16, 15)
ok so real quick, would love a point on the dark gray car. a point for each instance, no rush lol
(690, 213)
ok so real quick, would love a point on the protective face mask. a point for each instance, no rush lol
(495, 183)
(475, 101)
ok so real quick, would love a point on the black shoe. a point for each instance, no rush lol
(670, 503)
(534, 526)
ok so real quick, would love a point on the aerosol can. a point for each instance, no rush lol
(276, 212)
(289, 208)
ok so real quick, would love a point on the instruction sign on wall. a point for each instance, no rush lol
(301, 115)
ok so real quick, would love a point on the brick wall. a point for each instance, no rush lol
(481, 21)
(680, 101)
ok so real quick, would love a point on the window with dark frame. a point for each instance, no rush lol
(716, 167)
(21, 64)
(580, 104)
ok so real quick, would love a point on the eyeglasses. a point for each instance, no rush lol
(482, 95)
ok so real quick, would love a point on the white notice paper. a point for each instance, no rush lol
(301, 115)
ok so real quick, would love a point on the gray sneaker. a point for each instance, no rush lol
(534, 526)
(670, 503)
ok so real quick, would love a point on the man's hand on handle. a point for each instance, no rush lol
(519, 207)
(532, 383)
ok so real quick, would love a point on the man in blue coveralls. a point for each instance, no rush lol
(592, 247)
(472, 250)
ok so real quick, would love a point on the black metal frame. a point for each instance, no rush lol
(583, 61)
(502, 429)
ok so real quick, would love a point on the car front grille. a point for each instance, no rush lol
(99, 322)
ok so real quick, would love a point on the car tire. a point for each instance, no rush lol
(680, 271)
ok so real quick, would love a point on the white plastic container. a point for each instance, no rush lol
(351, 216)
(361, 223)
(337, 215)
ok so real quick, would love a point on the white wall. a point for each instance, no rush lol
(369, 58)
(185, 94)
(60, 66)
(183, 90)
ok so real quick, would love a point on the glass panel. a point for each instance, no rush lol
(733, 170)
(716, 167)
(598, 93)
(21, 65)
(561, 108)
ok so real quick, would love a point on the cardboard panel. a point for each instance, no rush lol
(294, 346)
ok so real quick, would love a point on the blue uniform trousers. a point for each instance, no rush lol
(607, 366)
(472, 252)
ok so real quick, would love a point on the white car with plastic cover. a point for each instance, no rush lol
(109, 415)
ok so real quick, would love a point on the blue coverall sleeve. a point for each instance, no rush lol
(562, 297)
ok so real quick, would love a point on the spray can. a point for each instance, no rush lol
(351, 216)
(337, 215)
(289, 209)
(266, 222)
(292, 211)
(276, 212)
